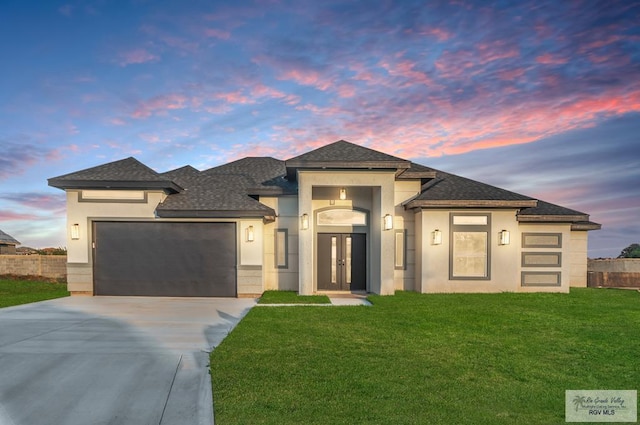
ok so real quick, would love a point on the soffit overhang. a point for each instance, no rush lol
(166, 185)
(470, 203)
(294, 166)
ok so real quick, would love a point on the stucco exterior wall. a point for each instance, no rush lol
(281, 279)
(566, 267)
(578, 246)
(506, 261)
(404, 279)
(380, 243)
(80, 262)
(83, 212)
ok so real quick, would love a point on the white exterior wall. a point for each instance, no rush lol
(250, 258)
(432, 269)
(79, 252)
(565, 269)
(281, 279)
(79, 257)
(381, 243)
(404, 280)
(579, 259)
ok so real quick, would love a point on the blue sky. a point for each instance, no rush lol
(542, 98)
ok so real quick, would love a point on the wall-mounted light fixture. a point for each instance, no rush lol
(343, 194)
(388, 222)
(505, 237)
(251, 236)
(304, 221)
(75, 231)
(436, 237)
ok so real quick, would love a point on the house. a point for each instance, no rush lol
(7, 244)
(339, 218)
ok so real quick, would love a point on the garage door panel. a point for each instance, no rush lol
(165, 259)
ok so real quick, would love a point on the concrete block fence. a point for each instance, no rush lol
(614, 273)
(51, 266)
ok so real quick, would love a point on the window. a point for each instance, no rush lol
(341, 217)
(281, 249)
(470, 242)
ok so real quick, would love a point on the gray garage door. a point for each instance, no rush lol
(165, 259)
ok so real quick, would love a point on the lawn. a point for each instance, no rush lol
(427, 359)
(18, 291)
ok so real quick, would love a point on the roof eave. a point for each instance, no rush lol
(294, 166)
(349, 164)
(473, 203)
(268, 191)
(266, 213)
(167, 185)
(586, 226)
(552, 218)
(409, 175)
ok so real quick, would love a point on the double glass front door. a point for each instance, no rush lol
(342, 261)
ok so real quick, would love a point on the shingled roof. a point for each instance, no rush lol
(233, 189)
(547, 212)
(267, 175)
(216, 195)
(344, 155)
(7, 239)
(128, 173)
(451, 191)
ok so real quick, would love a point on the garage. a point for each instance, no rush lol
(164, 259)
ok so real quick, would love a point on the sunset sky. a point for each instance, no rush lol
(541, 98)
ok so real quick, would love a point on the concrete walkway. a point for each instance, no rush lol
(339, 299)
(112, 360)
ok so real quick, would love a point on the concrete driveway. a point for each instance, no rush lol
(112, 360)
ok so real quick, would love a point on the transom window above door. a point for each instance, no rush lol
(341, 217)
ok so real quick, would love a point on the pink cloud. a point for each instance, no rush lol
(234, 97)
(261, 90)
(416, 130)
(461, 64)
(159, 105)
(306, 78)
(44, 201)
(440, 34)
(6, 215)
(549, 59)
(511, 74)
(407, 69)
(136, 56)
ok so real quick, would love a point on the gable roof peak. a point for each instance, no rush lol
(127, 173)
(345, 155)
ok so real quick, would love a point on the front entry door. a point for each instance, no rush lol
(342, 262)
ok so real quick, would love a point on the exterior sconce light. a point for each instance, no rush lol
(250, 234)
(436, 237)
(75, 231)
(304, 221)
(505, 237)
(343, 194)
(388, 222)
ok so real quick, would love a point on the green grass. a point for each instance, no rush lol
(291, 297)
(16, 291)
(427, 359)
